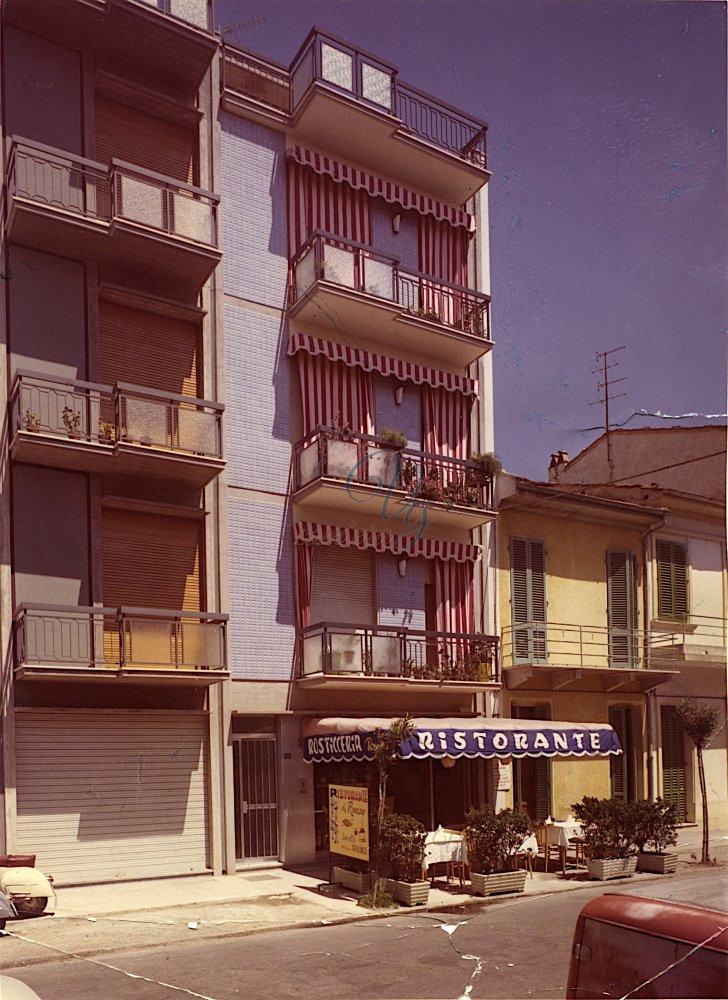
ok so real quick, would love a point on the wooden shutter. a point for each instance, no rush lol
(673, 760)
(343, 586)
(617, 762)
(126, 133)
(528, 599)
(672, 580)
(148, 349)
(151, 560)
(622, 608)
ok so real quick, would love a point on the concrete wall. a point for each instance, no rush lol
(50, 536)
(402, 246)
(401, 599)
(407, 417)
(42, 90)
(47, 313)
(297, 833)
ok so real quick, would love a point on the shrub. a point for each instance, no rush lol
(489, 462)
(394, 438)
(493, 838)
(654, 825)
(403, 841)
(609, 826)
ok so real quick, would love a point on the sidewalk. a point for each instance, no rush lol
(99, 919)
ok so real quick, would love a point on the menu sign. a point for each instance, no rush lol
(349, 821)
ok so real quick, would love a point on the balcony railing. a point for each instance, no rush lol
(354, 266)
(586, 646)
(326, 60)
(105, 415)
(330, 648)
(356, 459)
(56, 636)
(696, 636)
(70, 183)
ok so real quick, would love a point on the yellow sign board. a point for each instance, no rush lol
(349, 821)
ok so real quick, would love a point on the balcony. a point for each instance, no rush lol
(371, 296)
(568, 656)
(340, 470)
(57, 642)
(138, 220)
(163, 42)
(122, 429)
(344, 100)
(695, 639)
(388, 658)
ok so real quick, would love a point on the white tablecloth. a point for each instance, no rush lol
(443, 845)
(559, 833)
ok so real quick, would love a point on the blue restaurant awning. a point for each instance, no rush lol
(337, 739)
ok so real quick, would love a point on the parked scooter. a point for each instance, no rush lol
(24, 890)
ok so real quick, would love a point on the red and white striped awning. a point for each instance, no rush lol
(378, 187)
(355, 357)
(311, 533)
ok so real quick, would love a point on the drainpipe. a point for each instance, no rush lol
(651, 699)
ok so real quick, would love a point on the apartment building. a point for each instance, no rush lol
(113, 641)
(356, 306)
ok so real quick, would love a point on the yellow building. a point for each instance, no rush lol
(573, 642)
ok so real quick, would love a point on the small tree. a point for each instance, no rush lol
(386, 745)
(700, 721)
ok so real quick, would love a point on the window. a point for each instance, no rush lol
(622, 609)
(672, 580)
(528, 600)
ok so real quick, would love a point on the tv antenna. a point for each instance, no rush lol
(602, 370)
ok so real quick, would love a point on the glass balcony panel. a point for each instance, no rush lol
(339, 266)
(197, 431)
(308, 463)
(378, 278)
(193, 219)
(150, 643)
(57, 639)
(201, 644)
(302, 76)
(346, 654)
(313, 654)
(305, 272)
(192, 11)
(386, 655)
(376, 86)
(146, 421)
(341, 458)
(337, 67)
(141, 202)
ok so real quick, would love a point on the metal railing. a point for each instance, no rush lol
(104, 415)
(51, 636)
(333, 453)
(324, 257)
(571, 645)
(696, 634)
(331, 648)
(326, 60)
(70, 183)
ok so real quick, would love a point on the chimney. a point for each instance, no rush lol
(558, 463)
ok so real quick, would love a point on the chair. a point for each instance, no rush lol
(545, 846)
(578, 845)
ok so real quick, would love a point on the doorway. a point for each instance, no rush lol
(532, 775)
(623, 766)
(674, 778)
(256, 796)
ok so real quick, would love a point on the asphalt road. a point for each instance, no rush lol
(518, 949)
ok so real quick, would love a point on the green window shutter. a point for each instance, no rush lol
(673, 760)
(528, 600)
(622, 608)
(618, 722)
(672, 580)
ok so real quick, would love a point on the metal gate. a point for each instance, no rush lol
(256, 796)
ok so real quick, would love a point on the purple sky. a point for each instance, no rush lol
(608, 199)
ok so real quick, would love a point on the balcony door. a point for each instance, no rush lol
(623, 766)
(528, 600)
(622, 609)
(674, 776)
(127, 133)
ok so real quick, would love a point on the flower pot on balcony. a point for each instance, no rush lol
(409, 893)
(659, 864)
(606, 868)
(341, 458)
(498, 882)
(382, 467)
(356, 881)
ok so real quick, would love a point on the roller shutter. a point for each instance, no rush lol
(126, 133)
(112, 795)
(148, 349)
(151, 561)
(343, 586)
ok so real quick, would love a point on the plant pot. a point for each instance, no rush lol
(382, 467)
(356, 881)
(409, 893)
(341, 458)
(603, 869)
(498, 882)
(660, 864)
(75, 435)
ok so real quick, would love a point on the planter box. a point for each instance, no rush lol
(356, 881)
(409, 893)
(382, 466)
(491, 885)
(602, 869)
(341, 458)
(660, 864)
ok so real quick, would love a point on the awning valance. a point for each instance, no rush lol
(311, 533)
(379, 187)
(355, 357)
(337, 739)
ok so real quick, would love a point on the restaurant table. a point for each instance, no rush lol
(559, 834)
(443, 846)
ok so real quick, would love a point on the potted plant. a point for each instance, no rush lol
(342, 450)
(493, 840)
(489, 465)
(654, 828)
(72, 421)
(356, 877)
(32, 421)
(403, 843)
(384, 462)
(608, 828)
(107, 432)
(431, 487)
